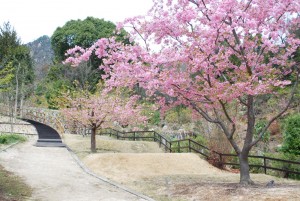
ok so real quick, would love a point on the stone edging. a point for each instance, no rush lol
(85, 169)
(9, 146)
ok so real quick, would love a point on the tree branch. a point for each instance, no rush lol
(198, 5)
(248, 5)
(233, 128)
(192, 27)
(227, 133)
(194, 2)
(238, 41)
(232, 47)
(145, 41)
(242, 101)
(204, 114)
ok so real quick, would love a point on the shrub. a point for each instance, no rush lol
(214, 159)
(291, 137)
(200, 139)
(283, 165)
(11, 138)
(257, 129)
(218, 143)
(180, 115)
(155, 118)
(256, 161)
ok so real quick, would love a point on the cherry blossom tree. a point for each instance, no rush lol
(101, 110)
(207, 55)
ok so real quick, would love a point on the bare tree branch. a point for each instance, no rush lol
(242, 101)
(227, 133)
(144, 40)
(238, 41)
(233, 126)
(204, 114)
(248, 5)
(198, 5)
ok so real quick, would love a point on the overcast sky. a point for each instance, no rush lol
(34, 18)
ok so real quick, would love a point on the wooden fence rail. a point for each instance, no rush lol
(265, 164)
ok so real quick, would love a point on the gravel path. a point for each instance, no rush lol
(54, 175)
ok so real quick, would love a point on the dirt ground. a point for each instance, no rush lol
(12, 187)
(55, 176)
(174, 177)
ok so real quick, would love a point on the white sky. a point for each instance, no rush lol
(34, 18)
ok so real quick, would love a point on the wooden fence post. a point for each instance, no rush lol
(265, 165)
(160, 141)
(178, 148)
(189, 145)
(221, 160)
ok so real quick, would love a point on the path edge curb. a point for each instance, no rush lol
(11, 145)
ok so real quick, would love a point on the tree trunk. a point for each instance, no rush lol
(17, 93)
(93, 139)
(21, 105)
(10, 114)
(244, 169)
(243, 155)
(22, 98)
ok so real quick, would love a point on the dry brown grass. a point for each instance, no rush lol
(129, 167)
(174, 177)
(81, 145)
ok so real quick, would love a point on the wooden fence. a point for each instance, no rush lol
(267, 164)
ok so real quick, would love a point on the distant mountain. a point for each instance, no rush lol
(42, 55)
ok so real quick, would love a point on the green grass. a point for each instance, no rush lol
(12, 188)
(11, 138)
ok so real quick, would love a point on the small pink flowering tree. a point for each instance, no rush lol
(100, 111)
(212, 54)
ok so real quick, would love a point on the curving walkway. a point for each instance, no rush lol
(55, 175)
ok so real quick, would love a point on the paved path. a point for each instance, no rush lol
(55, 176)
